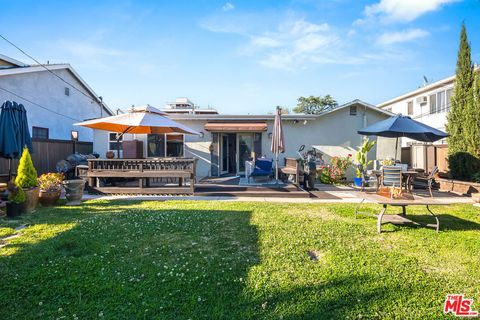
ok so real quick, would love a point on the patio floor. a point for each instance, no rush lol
(230, 189)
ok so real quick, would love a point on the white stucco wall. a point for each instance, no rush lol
(47, 90)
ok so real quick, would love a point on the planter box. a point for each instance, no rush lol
(457, 186)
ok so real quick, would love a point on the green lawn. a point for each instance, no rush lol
(233, 260)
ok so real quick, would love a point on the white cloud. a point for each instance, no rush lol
(403, 10)
(388, 38)
(294, 43)
(228, 6)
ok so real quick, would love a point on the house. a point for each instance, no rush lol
(55, 97)
(428, 104)
(227, 141)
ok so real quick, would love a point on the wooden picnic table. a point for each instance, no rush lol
(401, 219)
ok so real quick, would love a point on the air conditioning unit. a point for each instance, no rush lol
(422, 100)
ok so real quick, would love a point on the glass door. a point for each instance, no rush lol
(245, 148)
(224, 163)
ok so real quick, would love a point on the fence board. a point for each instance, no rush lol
(46, 154)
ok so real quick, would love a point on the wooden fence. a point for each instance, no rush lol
(427, 156)
(46, 154)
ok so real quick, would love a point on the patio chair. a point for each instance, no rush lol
(262, 169)
(426, 181)
(392, 176)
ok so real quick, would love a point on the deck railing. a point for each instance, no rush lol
(146, 171)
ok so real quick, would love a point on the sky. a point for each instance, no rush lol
(244, 57)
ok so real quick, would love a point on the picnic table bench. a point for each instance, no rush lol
(144, 170)
(401, 219)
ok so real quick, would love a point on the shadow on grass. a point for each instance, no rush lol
(341, 297)
(131, 262)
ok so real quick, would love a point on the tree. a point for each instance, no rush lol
(461, 116)
(284, 110)
(315, 105)
(27, 175)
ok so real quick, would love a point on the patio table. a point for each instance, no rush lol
(401, 219)
(408, 176)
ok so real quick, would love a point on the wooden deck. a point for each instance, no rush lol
(221, 187)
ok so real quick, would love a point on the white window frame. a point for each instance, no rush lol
(109, 141)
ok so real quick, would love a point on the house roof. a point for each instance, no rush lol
(431, 86)
(361, 103)
(41, 68)
(12, 62)
(295, 116)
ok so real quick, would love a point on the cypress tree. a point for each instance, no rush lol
(461, 116)
(475, 110)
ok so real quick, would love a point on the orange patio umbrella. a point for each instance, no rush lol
(140, 120)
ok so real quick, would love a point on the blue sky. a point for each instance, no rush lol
(244, 56)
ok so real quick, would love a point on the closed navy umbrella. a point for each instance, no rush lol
(403, 126)
(14, 132)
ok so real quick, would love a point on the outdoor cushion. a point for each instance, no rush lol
(263, 167)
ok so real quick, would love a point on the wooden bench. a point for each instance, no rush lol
(292, 167)
(143, 170)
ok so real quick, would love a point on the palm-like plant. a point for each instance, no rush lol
(362, 157)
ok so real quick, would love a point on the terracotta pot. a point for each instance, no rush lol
(31, 201)
(14, 209)
(74, 190)
(49, 198)
(110, 155)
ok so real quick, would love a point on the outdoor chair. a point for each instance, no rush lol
(262, 169)
(430, 179)
(392, 176)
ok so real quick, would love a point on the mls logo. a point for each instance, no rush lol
(459, 306)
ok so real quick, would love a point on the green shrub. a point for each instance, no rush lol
(27, 175)
(463, 166)
(16, 195)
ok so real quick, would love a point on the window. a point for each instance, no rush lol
(39, 133)
(433, 103)
(156, 145)
(410, 108)
(441, 106)
(353, 110)
(113, 145)
(449, 99)
(165, 145)
(174, 145)
(67, 91)
(441, 101)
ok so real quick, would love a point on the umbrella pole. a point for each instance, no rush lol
(9, 169)
(276, 167)
(396, 147)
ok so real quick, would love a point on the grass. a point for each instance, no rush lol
(234, 260)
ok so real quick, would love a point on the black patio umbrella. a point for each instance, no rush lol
(403, 126)
(14, 132)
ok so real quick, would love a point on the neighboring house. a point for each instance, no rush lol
(52, 105)
(428, 104)
(227, 141)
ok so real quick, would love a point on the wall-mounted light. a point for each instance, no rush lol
(74, 135)
(295, 121)
(305, 122)
(201, 135)
(269, 135)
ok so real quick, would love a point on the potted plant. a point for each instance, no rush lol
(16, 200)
(27, 179)
(50, 188)
(362, 161)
